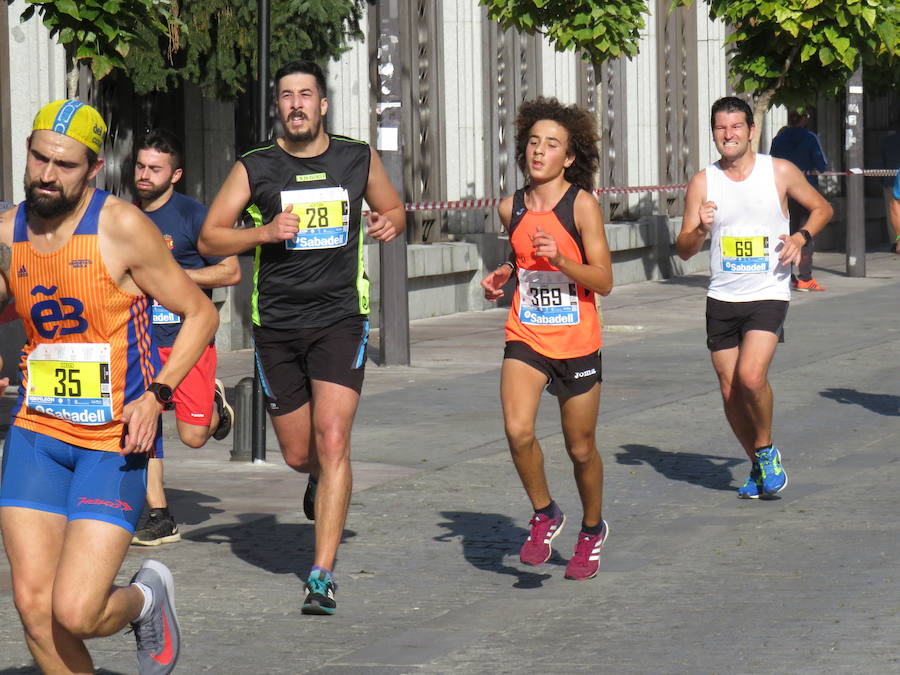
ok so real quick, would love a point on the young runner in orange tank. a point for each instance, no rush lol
(561, 260)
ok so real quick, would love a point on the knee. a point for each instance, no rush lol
(332, 445)
(194, 437)
(296, 458)
(520, 435)
(752, 382)
(75, 617)
(35, 611)
(583, 451)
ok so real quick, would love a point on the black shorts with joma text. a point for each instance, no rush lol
(289, 360)
(565, 377)
(728, 322)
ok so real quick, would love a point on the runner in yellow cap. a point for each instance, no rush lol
(91, 391)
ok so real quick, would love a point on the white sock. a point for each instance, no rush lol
(148, 600)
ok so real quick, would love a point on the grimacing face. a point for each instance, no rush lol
(300, 107)
(732, 134)
(56, 173)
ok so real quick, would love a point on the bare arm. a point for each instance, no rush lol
(798, 188)
(7, 220)
(493, 283)
(387, 218)
(596, 273)
(226, 272)
(698, 218)
(7, 224)
(895, 216)
(218, 236)
(137, 257)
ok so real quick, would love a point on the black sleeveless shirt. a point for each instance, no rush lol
(318, 278)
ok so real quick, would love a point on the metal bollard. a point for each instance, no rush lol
(242, 434)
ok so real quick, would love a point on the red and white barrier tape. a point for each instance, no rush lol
(470, 204)
(490, 203)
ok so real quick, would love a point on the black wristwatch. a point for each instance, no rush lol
(163, 394)
(807, 237)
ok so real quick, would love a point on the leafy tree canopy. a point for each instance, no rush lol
(216, 43)
(99, 32)
(789, 51)
(601, 29)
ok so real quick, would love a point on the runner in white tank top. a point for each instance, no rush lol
(744, 252)
(741, 201)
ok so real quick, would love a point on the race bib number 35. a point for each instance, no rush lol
(547, 299)
(71, 381)
(745, 255)
(324, 217)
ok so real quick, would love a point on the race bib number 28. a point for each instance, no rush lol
(324, 217)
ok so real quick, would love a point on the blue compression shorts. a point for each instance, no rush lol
(43, 473)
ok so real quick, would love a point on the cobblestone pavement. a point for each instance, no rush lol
(692, 579)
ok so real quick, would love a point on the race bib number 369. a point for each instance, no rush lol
(547, 299)
(71, 381)
(324, 217)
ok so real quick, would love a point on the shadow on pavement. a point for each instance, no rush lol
(487, 538)
(190, 508)
(708, 471)
(883, 404)
(260, 540)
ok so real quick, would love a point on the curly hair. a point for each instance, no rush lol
(583, 138)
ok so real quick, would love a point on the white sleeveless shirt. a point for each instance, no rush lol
(744, 250)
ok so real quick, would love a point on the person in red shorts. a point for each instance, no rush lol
(561, 260)
(201, 409)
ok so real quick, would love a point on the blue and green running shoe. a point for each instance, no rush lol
(772, 476)
(320, 589)
(753, 487)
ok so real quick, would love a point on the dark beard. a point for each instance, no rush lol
(303, 137)
(148, 196)
(48, 206)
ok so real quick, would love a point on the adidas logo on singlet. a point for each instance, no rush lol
(21, 272)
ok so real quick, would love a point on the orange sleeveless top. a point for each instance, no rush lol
(550, 312)
(89, 348)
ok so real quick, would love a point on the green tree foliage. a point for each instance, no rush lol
(788, 52)
(99, 32)
(599, 28)
(216, 45)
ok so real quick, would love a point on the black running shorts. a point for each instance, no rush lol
(728, 322)
(288, 360)
(565, 377)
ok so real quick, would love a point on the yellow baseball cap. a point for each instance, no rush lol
(74, 119)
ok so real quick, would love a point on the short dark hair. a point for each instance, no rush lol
(306, 67)
(163, 140)
(730, 104)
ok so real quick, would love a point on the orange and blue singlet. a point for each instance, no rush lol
(550, 312)
(89, 351)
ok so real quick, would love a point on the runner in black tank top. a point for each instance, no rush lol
(325, 282)
(304, 192)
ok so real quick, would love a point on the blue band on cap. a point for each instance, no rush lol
(65, 116)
